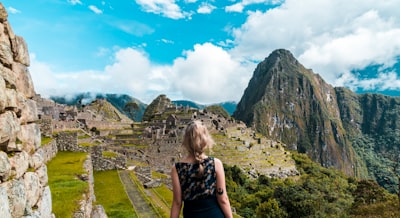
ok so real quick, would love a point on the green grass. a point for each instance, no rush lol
(87, 144)
(66, 188)
(84, 136)
(46, 140)
(109, 154)
(111, 194)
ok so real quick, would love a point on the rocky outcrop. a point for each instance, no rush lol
(287, 102)
(24, 189)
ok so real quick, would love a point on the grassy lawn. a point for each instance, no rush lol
(66, 188)
(111, 194)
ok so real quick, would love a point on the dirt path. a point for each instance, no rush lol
(143, 210)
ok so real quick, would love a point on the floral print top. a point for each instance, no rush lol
(197, 188)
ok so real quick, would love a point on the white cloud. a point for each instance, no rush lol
(330, 36)
(167, 8)
(75, 2)
(205, 8)
(95, 9)
(166, 41)
(206, 74)
(13, 10)
(239, 6)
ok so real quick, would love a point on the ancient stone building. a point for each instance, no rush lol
(24, 190)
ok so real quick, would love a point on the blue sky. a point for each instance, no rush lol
(204, 51)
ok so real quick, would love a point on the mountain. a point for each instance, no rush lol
(104, 109)
(131, 107)
(229, 106)
(333, 125)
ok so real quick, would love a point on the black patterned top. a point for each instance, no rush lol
(197, 188)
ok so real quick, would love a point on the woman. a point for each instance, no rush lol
(199, 180)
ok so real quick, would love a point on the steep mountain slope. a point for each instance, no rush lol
(288, 102)
(356, 133)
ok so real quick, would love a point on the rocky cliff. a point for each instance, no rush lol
(24, 189)
(356, 133)
(288, 102)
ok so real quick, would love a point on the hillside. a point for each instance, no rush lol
(131, 107)
(334, 126)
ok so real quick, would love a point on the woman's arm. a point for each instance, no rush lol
(177, 197)
(222, 195)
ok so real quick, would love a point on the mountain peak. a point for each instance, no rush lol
(282, 58)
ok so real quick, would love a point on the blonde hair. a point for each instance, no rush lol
(195, 140)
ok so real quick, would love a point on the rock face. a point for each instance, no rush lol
(23, 174)
(288, 102)
(356, 133)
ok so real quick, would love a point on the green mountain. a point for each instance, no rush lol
(229, 106)
(131, 107)
(355, 133)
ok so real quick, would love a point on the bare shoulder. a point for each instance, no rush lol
(218, 164)
(217, 161)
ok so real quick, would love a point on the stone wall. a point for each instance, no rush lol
(68, 141)
(24, 189)
(101, 163)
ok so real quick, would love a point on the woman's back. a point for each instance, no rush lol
(193, 187)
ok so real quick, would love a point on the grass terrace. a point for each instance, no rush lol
(111, 194)
(66, 188)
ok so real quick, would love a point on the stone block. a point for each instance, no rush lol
(30, 137)
(24, 83)
(2, 94)
(8, 76)
(9, 128)
(20, 50)
(32, 187)
(4, 205)
(43, 177)
(19, 163)
(45, 205)
(36, 160)
(17, 198)
(5, 167)
(12, 99)
(28, 111)
(6, 56)
(98, 212)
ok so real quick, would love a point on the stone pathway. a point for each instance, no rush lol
(143, 210)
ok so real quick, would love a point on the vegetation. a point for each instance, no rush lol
(109, 154)
(318, 192)
(46, 140)
(381, 156)
(66, 188)
(111, 194)
(218, 109)
(131, 109)
(149, 201)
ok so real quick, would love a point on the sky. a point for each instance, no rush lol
(203, 50)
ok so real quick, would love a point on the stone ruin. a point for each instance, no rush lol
(24, 189)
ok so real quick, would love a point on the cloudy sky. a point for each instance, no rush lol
(203, 50)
